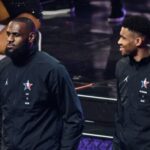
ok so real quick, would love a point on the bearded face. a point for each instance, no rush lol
(19, 40)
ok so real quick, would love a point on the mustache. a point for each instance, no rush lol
(10, 45)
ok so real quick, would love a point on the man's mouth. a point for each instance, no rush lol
(121, 48)
(10, 46)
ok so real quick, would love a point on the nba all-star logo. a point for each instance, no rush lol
(144, 83)
(27, 85)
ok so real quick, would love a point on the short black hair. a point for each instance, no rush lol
(139, 24)
(27, 21)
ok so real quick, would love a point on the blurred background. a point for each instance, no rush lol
(83, 35)
(80, 34)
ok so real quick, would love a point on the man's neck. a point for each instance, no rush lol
(141, 54)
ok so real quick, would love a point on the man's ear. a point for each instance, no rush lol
(32, 36)
(139, 41)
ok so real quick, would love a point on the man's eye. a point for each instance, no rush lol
(8, 33)
(16, 34)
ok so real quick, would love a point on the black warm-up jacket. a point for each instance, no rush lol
(133, 113)
(39, 106)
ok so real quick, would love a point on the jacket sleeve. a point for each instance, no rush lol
(120, 69)
(3, 63)
(70, 108)
(0, 126)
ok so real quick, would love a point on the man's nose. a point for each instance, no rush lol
(119, 41)
(10, 38)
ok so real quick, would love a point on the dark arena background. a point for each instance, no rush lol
(78, 33)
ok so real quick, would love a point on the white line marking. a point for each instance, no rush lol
(97, 97)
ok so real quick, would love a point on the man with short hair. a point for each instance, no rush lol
(39, 106)
(132, 130)
(10, 9)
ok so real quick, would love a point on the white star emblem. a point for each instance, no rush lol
(144, 83)
(27, 85)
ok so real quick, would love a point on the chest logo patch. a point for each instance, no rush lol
(27, 85)
(144, 83)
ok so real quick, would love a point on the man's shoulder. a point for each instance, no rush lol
(4, 62)
(123, 61)
(122, 66)
(44, 57)
(48, 61)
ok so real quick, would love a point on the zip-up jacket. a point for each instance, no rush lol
(39, 107)
(133, 112)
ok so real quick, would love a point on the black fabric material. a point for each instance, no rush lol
(16, 7)
(133, 113)
(40, 109)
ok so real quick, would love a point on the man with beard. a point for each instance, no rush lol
(132, 130)
(10, 9)
(39, 106)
